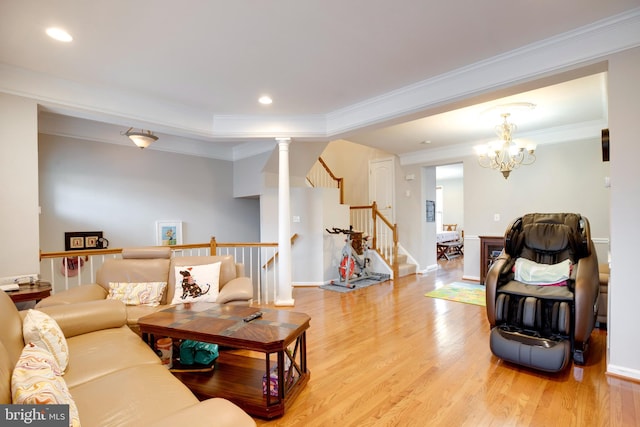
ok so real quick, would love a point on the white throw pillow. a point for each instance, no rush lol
(40, 329)
(197, 283)
(36, 381)
(143, 293)
(532, 273)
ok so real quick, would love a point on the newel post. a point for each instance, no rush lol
(213, 246)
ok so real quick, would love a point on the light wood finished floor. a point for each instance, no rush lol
(387, 355)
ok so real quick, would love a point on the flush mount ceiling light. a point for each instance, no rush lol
(505, 154)
(59, 34)
(265, 100)
(142, 139)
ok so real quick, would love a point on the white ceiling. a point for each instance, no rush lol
(362, 70)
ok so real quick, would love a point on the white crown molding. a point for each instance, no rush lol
(93, 102)
(545, 57)
(256, 126)
(572, 49)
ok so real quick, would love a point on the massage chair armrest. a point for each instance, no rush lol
(223, 412)
(500, 269)
(586, 293)
(238, 289)
(85, 317)
(82, 293)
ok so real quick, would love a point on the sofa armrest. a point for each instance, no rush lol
(238, 289)
(85, 317)
(216, 411)
(82, 293)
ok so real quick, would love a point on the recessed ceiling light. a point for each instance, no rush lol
(59, 34)
(265, 100)
(426, 141)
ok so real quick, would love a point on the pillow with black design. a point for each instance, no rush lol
(197, 283)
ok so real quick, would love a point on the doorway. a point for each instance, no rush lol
(450, 196)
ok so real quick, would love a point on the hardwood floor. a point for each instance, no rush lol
(387, 355)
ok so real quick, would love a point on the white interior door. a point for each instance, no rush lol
(382, 185)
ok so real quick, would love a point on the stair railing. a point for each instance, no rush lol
(384, 234)
(320, 176)
(69, 269)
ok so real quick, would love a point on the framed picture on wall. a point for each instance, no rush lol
(82, 240)
(431, 211)
(168, 233)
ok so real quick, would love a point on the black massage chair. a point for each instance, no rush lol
(536, 321)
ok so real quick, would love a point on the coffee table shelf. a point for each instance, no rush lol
(238, 378)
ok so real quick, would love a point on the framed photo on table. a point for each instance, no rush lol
(82, 240)
(168, 233)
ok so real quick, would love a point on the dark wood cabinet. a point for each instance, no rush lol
(490, 248)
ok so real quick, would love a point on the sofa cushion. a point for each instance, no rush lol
(132, 270)
(132, 397)
(40, 329)
(103, 352)
(196, 283)
(228, 270)
(36, 381)
(142, 293)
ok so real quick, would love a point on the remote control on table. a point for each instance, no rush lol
(254, 316)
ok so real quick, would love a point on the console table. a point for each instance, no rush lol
(490, 248)
(31, 292)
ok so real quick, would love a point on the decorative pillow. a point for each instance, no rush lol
(532, 273)
(36, 381)
(197, 283)
(40, 329)
(143, 293)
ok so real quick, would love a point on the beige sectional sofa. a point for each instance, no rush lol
(113, 377)
(155, 264)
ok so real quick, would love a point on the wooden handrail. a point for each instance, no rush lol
(213, 245)
(273, 258)
(375, 215)
(339, 181)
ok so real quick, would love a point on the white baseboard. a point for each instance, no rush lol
(472, 278)
(308, 284)
(429, 269)
(622, 372)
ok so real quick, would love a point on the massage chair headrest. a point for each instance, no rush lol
(549, 234)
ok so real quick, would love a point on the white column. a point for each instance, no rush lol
(284, 295)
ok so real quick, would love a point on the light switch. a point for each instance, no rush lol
(296, 218)
(496, 217)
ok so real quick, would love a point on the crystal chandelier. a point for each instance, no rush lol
(505, 154)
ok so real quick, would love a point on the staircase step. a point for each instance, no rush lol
(402, 258)
(405, 269)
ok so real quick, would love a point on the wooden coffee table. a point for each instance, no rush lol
(280, 335)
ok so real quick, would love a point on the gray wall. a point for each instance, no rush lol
(624, 292)
(566, 177)
(19, 189)
(351, 161)
(123, 191)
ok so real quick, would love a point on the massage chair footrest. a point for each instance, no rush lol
(534, 352)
